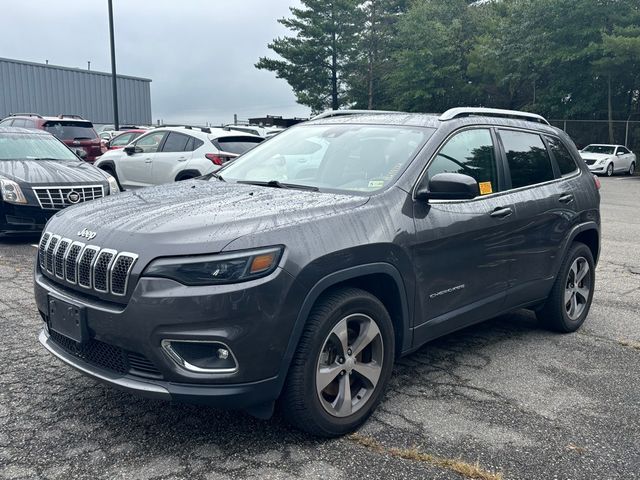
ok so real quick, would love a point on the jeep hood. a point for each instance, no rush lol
(193, 216)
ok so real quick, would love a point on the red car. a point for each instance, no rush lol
(123, 139)
(76, 132)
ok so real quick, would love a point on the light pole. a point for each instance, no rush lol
(114, 86)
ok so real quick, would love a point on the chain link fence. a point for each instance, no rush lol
(584, 132)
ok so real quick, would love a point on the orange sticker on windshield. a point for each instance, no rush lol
(485, 188)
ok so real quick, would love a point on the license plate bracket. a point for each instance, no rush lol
(67, 319)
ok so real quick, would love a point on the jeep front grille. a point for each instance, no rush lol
(56, 198)
(100, 269)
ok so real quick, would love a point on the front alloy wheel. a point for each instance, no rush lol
(350, 365)
(632, 169)
(610, 169)
(342, 364)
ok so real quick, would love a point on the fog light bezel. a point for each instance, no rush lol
(181, 362)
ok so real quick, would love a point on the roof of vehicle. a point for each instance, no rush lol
(32, 131)
(210, 132)
(604, 145)
(65, 117)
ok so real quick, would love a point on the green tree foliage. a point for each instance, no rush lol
(315, 61)
(561, 58)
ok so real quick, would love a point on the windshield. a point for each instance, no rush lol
(23, 146)
(67, 130)
(605, 149)
(354, 158)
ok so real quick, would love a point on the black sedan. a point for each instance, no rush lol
(39, 176)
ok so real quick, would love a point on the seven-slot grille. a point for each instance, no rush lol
(101, 269)
(55, 198)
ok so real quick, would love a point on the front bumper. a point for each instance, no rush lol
(597, 168)
(23, 218)
(255, 319)
(232, 396)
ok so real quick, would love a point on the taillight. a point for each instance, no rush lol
(218, 159)
(596, 181)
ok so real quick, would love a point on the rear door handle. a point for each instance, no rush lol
(501, 212)
(566, 198)
(182, 159)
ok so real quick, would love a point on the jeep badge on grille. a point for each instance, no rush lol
(88, 234)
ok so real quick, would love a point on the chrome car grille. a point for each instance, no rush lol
(56, 198)
(100, 269)
(589, 162)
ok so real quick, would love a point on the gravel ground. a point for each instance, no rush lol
(501, 399)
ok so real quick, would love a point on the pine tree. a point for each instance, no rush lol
(314, 61)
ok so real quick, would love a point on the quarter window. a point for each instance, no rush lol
(471, 153)
(527, 157)
(565, 161)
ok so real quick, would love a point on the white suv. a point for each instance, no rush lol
(169, 154)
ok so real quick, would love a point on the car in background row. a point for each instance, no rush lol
(39, 176)
(264, 132)
(122, 138)
(170, 154)
(609, 159)
(73, 130)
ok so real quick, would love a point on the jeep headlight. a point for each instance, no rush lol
(113, 184)
(11, 191)
(217, 269)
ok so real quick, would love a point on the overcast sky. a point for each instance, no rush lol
(199, 53)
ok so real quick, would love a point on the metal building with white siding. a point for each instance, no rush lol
(54, 90)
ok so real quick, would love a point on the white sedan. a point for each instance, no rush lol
(609, 159)
(169, 154)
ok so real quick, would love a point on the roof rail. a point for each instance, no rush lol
(70, 115)
(491, 112)
(26, 115)
(337, 113)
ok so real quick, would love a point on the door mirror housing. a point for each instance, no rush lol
(131, 149)
(449, 186)
(620, 153)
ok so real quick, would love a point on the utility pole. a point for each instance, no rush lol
(114, 86)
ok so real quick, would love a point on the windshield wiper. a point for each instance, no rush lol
(217, 175)
(278, 184)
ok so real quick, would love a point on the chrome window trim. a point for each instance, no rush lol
(126, 280)
(107, 279)
(181, 362)
(414, 190)
(79, 260)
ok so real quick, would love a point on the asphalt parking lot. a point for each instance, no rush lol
(504, 399)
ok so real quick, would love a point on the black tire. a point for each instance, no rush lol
(300, 403)
(632, 169)
(554, 313)
(610, 170)
(111, 172)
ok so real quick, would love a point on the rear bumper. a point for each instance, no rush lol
(229, 396)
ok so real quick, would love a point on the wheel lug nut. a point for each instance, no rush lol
(341, 360)
(349, 352)
(342, 372)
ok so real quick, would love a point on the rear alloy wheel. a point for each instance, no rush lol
(570, 299)
(632, 169)
(610, 170)
(341, 366)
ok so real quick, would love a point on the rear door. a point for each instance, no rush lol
(172, 158)
(545, 209)
(136, 170)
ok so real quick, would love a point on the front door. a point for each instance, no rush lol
(172, 158)
(136, 170)
(462, 248)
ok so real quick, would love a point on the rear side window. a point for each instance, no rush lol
(472, 153)
(175, 142)
(6, 122)
(237, 145)
(69, 130)
(193, 144)
(527, 157)
(565, 161)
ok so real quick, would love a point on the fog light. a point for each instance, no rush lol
(201, 356)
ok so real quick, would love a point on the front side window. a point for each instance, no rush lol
(527, 157)
(623, 151)
(25, 146)
(471, 153)
(350, 158)
(150, 142)
(565, 161)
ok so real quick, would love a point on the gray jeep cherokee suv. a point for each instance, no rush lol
(301, 271)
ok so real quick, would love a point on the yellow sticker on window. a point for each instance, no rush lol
(485, 188)
(376, 183)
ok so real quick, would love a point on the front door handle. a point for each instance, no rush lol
(566, 198)
(182, 159)
(501, 212)
(147, 160)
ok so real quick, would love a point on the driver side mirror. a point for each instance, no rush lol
(619, 154)
(131, 149)
(449, 186)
